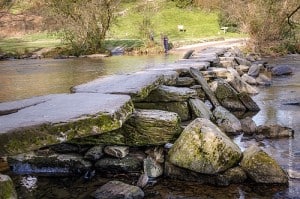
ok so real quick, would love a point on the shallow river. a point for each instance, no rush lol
(22, 79)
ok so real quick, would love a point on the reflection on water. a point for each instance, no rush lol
(21, 79)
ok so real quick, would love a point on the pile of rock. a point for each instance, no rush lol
(195, 104)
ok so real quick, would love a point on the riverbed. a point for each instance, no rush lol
(271, 100)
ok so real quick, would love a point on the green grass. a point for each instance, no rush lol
(29, 43)
(199, 25)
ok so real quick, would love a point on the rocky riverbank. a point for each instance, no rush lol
(177, 124)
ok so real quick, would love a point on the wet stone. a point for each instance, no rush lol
(94, 153)
(152, 168)
(49, 164)
(262, 168)
(275, 131)
(7, 189)
(118, 190)
(129, 165)
(117, 151)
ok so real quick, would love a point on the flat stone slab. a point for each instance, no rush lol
(137, 85)
(32, 123)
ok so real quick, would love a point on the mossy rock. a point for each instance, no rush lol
(202, 147)
(7, 189)
(262, 168)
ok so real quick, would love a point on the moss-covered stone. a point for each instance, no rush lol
(202, 147)
(262, 168)
(44, 124)
(151, 127)
(7, 189)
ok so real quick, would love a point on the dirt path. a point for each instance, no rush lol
(201, 46)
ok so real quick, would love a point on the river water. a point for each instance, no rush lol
(26, 78)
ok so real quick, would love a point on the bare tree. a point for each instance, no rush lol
(84, 22)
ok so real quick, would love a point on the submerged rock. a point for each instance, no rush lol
(49, 165)
(254, 70)
(118, 190)
(128, 165)
(248, 125)
(275, 131)
(7, 188)
(226, 120)
(281, 70)
(153, 168)
(202, 147)
(261, 168)
(230, 176)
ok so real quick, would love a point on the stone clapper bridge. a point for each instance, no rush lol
(97, 107)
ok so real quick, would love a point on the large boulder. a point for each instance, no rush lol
(209, 150)
(45, 164)
(261, 168)
(7, 188)
(152, 127)
(118, 190)
(227, 121)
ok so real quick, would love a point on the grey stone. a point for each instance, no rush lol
(275, 131)
(242, 61)
(242, 68)
(181, 108)
(185, 81)
(202, 147)
(228, 97)
(182, 67)
(170, 94)
(248, 125)
(94, 153)
(138, 85)
(199, 109)
(261, 168)
(263, 80)
(226, 120)
(248, 79)
(118, 190)
(200, 92)
(59, 118)
(248, 102)
(153, 168)
(142, 181)
(130, 165)
(7, 188)
(152, 127)
(238, 84)
(231, 176)
(117, 151)
(254, 70)
(49, 164)
(226, 63)
(214, 72)
(282, 70)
